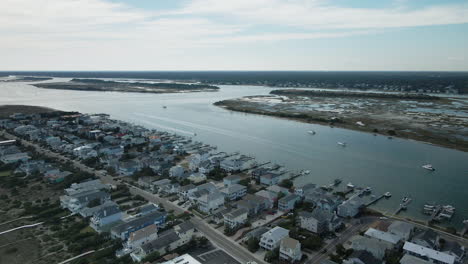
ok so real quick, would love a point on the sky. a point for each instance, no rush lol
(316, 35)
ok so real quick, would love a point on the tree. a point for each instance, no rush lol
(313, 242)
(270, 256)
(286, 183)
(252, 244)
(151, 257)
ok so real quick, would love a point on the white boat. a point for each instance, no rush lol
(311, 132)
(305, 172)
(343, 144)
(388, 194)
(428, 167)
(350, 185)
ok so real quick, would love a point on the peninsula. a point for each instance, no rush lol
(132, 87)
(437, 120)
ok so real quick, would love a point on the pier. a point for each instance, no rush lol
(403, 206)
(375, 200)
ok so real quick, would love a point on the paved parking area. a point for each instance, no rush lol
(216, 256)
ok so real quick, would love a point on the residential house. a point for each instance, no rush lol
(128, 168)
(455, 249)
(428, 253)
(375, 247)
(210, 201)
(231, 179)
(56, 175)
(278, 189)
(410, 259)
(167, 241)
(319, 221)
(13, 158)
(147, 182)
(184, 259)
(140, 237)
(270, 196)
(302, 190)
(176, 172)
(288, 203)
(272, 239)
(86, 186)
(427, 238)
(234, 191)
(362, 257)
(81, 200)
(383, 236)
(401, 229)
(235, 218)
(269, 179)
(187, 191)
(147, 209)
(106, 215)
(123, 231)
(290, 250)
(253, 204)
(256, 233)
(351, 207)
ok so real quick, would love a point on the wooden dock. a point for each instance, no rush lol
(375, 200)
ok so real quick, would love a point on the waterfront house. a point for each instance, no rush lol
(142, 236)
(302, 190)
(278, 189)
(234, 191)
(319, 221)
(288, 203)
(290, 250)
(272, 239)
(270, 196)
(427, 238)
(123, 230)
(351, 207)
(269, 179)
(401, 229)
(428, 253)
(235, 218)
(382, 236)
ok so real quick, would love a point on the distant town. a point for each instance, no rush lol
(85, 188)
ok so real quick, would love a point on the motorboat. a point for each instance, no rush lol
(350, 185)
(428, 167)
(343, 144)
(387, 194)
(311, 132)
(337, 181)
(368, 189)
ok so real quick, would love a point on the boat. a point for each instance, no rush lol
(305, 172)
(164, 107)
(311, 132)
(387, 195)
(337, 181)
(343, 144)
(428, 167)
(368, 189)
(350, 185)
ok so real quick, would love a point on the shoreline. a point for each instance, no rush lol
(400, 135)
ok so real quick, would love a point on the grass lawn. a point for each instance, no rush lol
(5, 173)
(87, 229)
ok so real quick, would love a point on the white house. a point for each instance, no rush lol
(272, 239)
(234, 191)
(176, 171)
(231, 179)
(428, 253)
(142, 236)
(290, 250)
(235, 218)
(288, 203)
